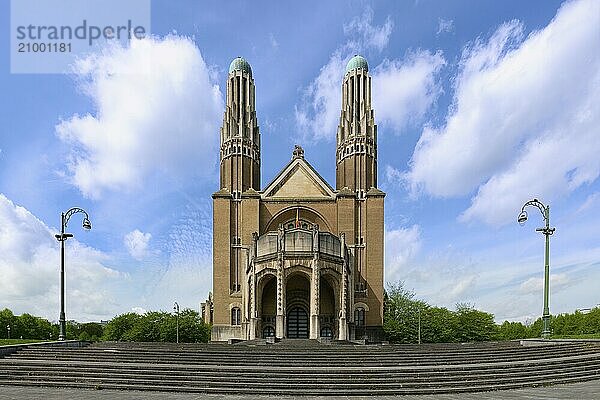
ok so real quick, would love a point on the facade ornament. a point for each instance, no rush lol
(298, 152)
(280, 238)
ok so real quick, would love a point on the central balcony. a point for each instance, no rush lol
(299, 246)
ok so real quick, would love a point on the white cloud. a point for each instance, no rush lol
(393, 175)
(403, 91)
(524, 119)
(30, 261)
(445, 26)
(401, 247)
(458, 288)
(30, 265)
(367, 34)
(589, 202)
(157, 114)
(139, 310)
(318, 114)
(136, 243)
(535, 285)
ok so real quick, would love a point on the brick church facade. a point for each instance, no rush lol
(297, 258)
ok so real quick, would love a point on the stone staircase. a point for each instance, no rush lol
(302, 367)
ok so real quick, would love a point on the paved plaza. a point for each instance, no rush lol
(579, 391)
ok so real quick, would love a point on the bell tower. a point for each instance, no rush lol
(240, 137)
(356, 156)
(235, 204)
(356, 182)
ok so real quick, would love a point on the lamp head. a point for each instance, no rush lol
(522, 217)
(87, 225)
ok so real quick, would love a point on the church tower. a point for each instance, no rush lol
(234, 205)
(240, 138)
(356, 166)
(356, 182)
(297, 258)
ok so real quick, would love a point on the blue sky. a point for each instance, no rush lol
(481, 106)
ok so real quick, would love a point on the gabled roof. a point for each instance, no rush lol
(298, 180)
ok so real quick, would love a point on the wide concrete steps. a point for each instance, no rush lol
(308, 370)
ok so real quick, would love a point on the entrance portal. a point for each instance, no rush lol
(297, 323)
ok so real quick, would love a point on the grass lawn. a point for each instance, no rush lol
(6, 342)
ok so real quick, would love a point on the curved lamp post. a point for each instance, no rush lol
(64, 220)
(547, 231)
(176, 310)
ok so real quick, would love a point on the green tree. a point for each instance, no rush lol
(93, 331)
(119, 326)
(7, 318)
(401, 316)
(512, 331)
(150, 327)
(592, 321)
(473, 325)
(535, 329)
(192, 328)
(73, 330)
(437, 325)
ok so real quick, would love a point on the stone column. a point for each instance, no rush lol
(315, 286)
(252, 288)
(343, 326)
(245, 306)
(280, 317)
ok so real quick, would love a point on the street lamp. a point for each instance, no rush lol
(64, 220)
(176, 310)
(546, 231)
(419, 324)
(8, 330)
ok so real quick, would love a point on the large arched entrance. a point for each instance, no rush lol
(266, 307)
(327, 307)
(297, 306)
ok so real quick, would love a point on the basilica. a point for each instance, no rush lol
(297, 258)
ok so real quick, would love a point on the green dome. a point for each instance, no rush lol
(239, 64)
(357, 62)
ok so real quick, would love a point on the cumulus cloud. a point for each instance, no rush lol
(524, 118)
(393, 176)
(157, 114)
(136, 243)
(535, 285)
(401, 247)
(404, 90)
(318, 114)
(30, 265)
(367, 34)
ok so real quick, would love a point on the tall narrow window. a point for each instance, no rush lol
(236, 316)
(359, 317)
